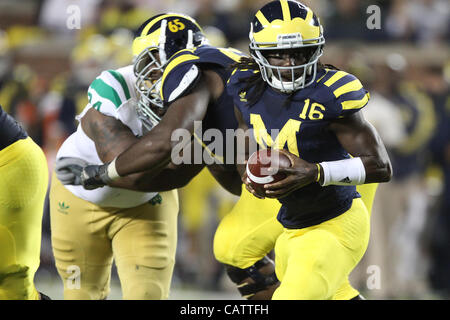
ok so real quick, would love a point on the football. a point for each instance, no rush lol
(257, 166)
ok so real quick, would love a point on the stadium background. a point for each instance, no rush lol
(46, 66)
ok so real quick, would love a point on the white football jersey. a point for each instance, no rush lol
(112, 93)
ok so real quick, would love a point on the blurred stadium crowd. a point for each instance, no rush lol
(46, 67)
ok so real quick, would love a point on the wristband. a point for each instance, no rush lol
(318, 172)
(343, 172)
(112, 171)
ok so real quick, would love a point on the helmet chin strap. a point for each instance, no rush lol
(190, 42)
(162, 42)
(287, 86)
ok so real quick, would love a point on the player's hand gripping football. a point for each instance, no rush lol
(76, 171)
(300, 174)
(248, 185)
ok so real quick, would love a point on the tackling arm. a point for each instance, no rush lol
(230, 180)
(111, 137)
(153, 151)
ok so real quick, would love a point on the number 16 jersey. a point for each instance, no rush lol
(300, 125)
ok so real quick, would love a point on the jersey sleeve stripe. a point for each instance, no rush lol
(354, 85)
(105, 91)
(172, 64)
(325, 74)
(122, 82)
(232, 54)
(111, 81)
(355, 104)
(335, 77)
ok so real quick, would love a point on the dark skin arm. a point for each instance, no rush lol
(359, 138)
(153, 152)
(243, 154)
(111, 137)
(230, 180)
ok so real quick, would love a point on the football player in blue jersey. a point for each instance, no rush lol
(331, 146)
(23, 186)
(192, 88)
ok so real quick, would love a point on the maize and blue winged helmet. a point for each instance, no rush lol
(157, 40)
(287, 26)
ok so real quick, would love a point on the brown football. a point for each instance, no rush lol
(257, 166)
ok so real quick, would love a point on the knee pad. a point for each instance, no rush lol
(254, 279)
(144, 290)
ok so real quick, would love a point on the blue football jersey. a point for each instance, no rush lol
(182, 73)
(300, 125)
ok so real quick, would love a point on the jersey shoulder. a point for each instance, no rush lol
(340, 92)
(111, 89)
(183, 69)
(236, 83)
(10, 129)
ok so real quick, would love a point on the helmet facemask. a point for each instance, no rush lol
(149, 66)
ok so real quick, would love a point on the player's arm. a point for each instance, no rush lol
(171, 177)
(243, 153)
(360, 139)
(230, 180)
(153, 151)
(370, 162)
(111, 137)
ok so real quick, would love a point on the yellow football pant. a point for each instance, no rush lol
(314, 262)
(86, 238)
(195, 198)
(23, 186)
(249, 232)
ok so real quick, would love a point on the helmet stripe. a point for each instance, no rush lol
(309, 17)
(152, 23)
(262, 18)
(169, 15)
(286, 11)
